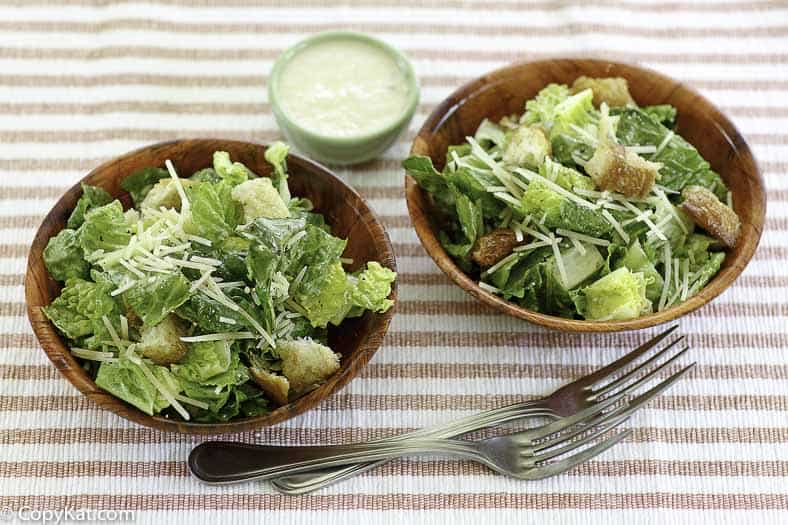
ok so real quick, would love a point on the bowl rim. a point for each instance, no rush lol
(428, 238)
(56, 348)
(399, 57)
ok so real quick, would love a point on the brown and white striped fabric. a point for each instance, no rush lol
(84, 80)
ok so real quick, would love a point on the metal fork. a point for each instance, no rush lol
(524, 454)
(566, 401)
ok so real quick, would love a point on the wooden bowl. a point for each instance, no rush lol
(349, 216)
(504, 92)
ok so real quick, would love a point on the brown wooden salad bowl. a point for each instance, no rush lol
(504, 91)
(349, 216)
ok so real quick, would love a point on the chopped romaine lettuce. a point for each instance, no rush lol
(64, 258)
(105, 229)
(541, 109)
(158, 295)
(126, 380)
(682, 164)
(276, 154)
(371, 289)
(92, 197)
(553, 210)
(617, 296)
(139, 183)
(233, 172)
(214, 213)
(574, 132)
(79, 308)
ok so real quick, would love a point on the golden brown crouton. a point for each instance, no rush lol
(275, 386)
(613, 90)
(162, 343)
(306, 363)
(614, 168)
(710, 214)
(491, 248)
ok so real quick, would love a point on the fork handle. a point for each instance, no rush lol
(315, 479)
(221, 462)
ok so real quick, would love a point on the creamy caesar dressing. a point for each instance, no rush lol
(343, 88)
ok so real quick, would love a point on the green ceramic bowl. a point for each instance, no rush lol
(337, 149)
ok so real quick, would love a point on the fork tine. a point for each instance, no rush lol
(561, 466)
(570, 421)
(619, 363)
(650, 394)
(595, 414)
(572, 445)
(647, 377)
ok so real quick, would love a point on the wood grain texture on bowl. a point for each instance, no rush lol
(504, 92)
(346, 212)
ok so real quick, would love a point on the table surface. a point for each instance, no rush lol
(84, 80)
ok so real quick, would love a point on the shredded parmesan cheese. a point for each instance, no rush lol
(495, 267)
(223, 336)
(530, 175)
(489, 288)
(559, 261)
(668, 257)
(178, 186)
(616, 225)
(582, 237)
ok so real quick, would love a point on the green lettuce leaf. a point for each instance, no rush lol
(276, 154)
(471, 222)
(324, 294)
(372, 288)
(617, 296)
(233, 172)
(125, 380)
(490, 134)
(92, 197)
(559, 212)
(64, 258)
(636, 259)
(105, 228)
(157, 296)
(424, 173)
(205, 175)
(682, 164)
(541, 109)
(80, 306)
(707, 271)
(204, 361)
(207, 313)
(665, 114)
(139, 183)
(564, 176)
(214, 213)
(574, 130)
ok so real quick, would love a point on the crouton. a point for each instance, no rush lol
(491, 248)
(162, 343)
(165, 193)
(526, 146)
(259, 198)
(306, 363)
(614, 90)
(706, 210)
(614, 168)
(275, 386)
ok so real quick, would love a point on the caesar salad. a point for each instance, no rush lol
(586, 206)
(210, 298)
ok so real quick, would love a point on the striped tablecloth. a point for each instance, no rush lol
(84, 80)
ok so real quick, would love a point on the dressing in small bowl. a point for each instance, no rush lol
(342, 97)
